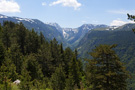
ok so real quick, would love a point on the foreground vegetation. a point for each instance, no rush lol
(43, 65)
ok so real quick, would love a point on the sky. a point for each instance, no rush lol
(71, 13)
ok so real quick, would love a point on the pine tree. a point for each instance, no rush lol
(16, 56)
(32, 42)
(25, 78)
(58, 79)
(45, 60)
(61, 55)
(69, 83)
(74, 71)
(33, 67)
(105, 71)
(21, 37)
(67, 59)
(2, 53)
(6, 36)
(42, 38)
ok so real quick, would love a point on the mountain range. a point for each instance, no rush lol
(68, 36)
(86, 37)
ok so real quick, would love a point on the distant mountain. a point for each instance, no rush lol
(74, 35)
(68, 36)
(49, 31)
(57, 26)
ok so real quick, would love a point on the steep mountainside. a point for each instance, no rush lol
(122, 36)
(74, 35)
(57, 26)
(81, 31)
(49, 31)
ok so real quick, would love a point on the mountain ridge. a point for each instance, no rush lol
(48, 31)
(68, 36)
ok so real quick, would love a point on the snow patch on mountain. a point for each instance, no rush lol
(24, 19)
(66, 35)
(2, 16)
(113, 27)
(74, 30)
(19, 19)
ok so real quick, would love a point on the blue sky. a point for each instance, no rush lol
(71, 13)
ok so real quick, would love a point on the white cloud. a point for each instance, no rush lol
(43, 3)
(119, 22)
(67, 3)
(9, 6)
(122, 11)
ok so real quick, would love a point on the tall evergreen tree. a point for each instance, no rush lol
(45, 60)
(2, 53)
(32, 42)
(42, 38)
(69, 83)
(25, 78)
(74, 71)
(105, 71)
(58, 79)
(21, 37)
(16, 56)
(6, 36)
(68, 54)
(61, 55)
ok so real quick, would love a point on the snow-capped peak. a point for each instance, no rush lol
(3, 16)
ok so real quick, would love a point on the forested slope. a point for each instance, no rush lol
(37, 63)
